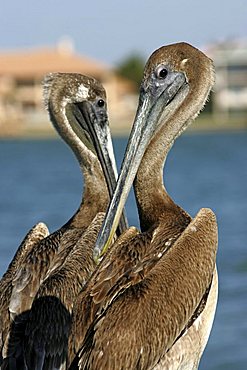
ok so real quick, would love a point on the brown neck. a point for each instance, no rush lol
(95, 196)
(151, 195)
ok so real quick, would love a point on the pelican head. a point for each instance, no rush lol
(176, 83)
(78, 110)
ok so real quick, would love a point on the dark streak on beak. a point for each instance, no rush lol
(96, 124)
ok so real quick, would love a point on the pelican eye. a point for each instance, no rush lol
(161, 72)
(101, 103)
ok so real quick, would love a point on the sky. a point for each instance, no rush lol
(110, 30)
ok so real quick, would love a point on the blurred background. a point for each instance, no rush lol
(40, 179)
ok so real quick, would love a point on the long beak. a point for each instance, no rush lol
(146, 121)
(98, 128)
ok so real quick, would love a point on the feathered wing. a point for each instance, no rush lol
(107, 272)
(185, 272)
(187, 350)
(32, 272)
(33, 237)
(38, 264)
(45, 339)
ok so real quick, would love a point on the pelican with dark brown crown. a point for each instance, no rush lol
(150, 304)
(55, 267)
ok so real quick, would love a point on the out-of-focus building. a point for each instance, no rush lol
(21, 102)
(21, 74)
(229, 101)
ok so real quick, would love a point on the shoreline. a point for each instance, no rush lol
(202, 124)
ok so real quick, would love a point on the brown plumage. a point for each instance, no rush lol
(57, 267)
(151, 290)
(49, 322)
(34, 236)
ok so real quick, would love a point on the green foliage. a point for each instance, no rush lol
(132, 68)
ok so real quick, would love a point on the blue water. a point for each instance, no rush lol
(40, 181)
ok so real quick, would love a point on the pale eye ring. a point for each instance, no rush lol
(161, 72)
